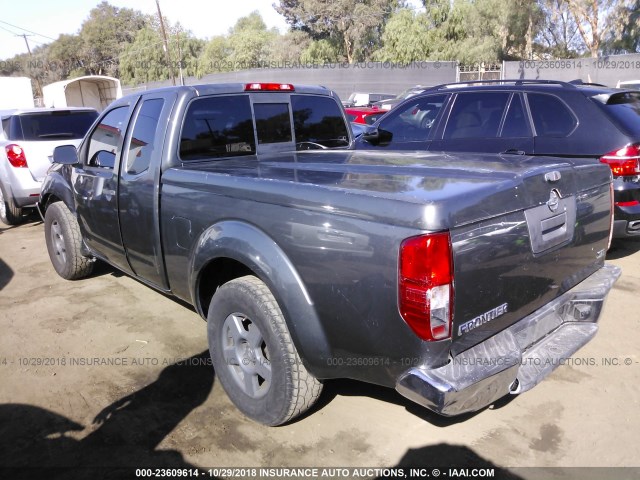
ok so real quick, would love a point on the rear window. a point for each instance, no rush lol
(273, 123)
(624, 109)
(318, 120)
(56, 125)
(217, 127)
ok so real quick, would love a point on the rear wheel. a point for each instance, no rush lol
(64, 242)
(254, 356)
(10, 214)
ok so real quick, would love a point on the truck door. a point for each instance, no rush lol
(139, 196)
(95, 185)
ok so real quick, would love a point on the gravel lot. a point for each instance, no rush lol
(106, 373)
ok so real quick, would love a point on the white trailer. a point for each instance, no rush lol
(15, 92)
(93, 91)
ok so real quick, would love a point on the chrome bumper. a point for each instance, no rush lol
(516, 359)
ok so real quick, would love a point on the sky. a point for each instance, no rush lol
(45, 20)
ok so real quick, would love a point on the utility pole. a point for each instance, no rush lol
(166, 44)
(24, 35)
(180, 59)
(38, 84)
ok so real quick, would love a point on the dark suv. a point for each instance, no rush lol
(526, 117)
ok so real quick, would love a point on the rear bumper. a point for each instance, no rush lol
(24, 189)
(626, 228)
(516, 359)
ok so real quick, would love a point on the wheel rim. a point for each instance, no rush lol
(246, 355)
(3, 206)
(57, 242)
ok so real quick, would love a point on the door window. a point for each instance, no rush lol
(476, 115)
(412, 122)
(106, 140)
(142, 138)
(515, 123)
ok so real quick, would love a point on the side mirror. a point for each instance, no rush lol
(377, 136)
(372, 136)
(103, 159)
(65, 155)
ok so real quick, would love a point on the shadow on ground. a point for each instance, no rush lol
(35, 442)
(354, 388)
(621, 248)
(449, 461)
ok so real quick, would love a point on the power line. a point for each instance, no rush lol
(25, 30)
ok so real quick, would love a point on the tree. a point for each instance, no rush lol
(214, 56)
(353, 25)
(67, 54)
(558, 34)
(144, 60)
(406, 38)
(624, 36)
(106, 34)
(288, 48)
(595, 18)
(320, 52)
(249, 42)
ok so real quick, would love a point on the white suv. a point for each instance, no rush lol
(27, 140)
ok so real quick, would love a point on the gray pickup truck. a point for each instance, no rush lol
(455, 279)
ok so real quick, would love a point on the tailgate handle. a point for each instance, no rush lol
(554, 227)
(551, 229)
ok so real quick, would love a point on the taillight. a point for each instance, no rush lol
(270, 87)
(15, 155)
(425, 285)
(625, 161)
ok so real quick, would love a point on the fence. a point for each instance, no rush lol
(385, 77)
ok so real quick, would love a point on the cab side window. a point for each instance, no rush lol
(106, 140)
(216, 127)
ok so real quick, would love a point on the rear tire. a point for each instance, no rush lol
(253, 354)
(10, 214)
(64, 242)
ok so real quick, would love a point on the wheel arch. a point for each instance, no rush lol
(55, 189)
(232, 249)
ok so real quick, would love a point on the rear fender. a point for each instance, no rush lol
(255, 250)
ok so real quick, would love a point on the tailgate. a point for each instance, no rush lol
(510, 265)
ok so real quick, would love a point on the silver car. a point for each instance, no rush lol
(27, 140)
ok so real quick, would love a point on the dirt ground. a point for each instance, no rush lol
(105, 373)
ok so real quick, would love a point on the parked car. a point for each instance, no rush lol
(392, 102)
(27, 140)
(366, 115)
(455, 279)
(359, 99)
(526, 117)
